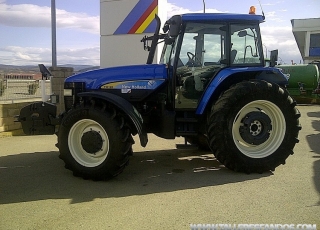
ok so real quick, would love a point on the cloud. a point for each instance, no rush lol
(24, 55)
(83, 56)
(281, 38)
(40, 16)
(273, 16)
(32, 56)
(176, 10)
(272, 4)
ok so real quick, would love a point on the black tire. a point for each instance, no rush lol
(253, 127)
(201, 141)
(94, 142)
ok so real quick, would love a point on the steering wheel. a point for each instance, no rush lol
(193, 60)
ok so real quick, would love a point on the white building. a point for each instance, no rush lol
(122, 26)
(307, 35)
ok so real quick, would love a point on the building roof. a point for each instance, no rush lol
(300, 27)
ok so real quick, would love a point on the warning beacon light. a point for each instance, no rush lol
(252, 10)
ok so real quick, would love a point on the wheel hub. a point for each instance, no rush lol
(255, 128)
(91, 141)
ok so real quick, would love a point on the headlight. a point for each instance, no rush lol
(67, 92)
(71, 89)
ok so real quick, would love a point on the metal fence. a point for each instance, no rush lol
(12, 91)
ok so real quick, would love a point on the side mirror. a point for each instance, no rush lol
(273, 58)
(175, 26)
(242, 33)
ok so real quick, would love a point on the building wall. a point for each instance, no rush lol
(122, 26)
(307, 35)
(22, 76)
(7, 113)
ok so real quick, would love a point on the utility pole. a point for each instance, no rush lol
(53, 33)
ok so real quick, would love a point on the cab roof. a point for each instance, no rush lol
(222, 17)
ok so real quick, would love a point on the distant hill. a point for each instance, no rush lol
(14, 68)
(80, 68)
(35, 68)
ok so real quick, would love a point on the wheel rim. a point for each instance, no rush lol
(88, 143)
(259, 129)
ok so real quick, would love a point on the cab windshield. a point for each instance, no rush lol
(206, 44)
(245, 43)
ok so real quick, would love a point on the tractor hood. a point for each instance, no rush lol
(96, 78)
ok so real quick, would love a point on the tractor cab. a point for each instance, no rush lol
(198, 46)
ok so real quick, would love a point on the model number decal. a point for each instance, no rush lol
(127, 86)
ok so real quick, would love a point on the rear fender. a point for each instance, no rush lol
(126, 107)
(227, 77)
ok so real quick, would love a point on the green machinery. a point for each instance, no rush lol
(303, 82)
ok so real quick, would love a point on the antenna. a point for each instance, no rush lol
(261, 10)
(204, 6)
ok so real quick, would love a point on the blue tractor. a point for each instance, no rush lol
(211, 87)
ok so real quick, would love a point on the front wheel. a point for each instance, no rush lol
(253, 127)
(94, 142)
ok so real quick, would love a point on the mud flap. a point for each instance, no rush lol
(38, 118)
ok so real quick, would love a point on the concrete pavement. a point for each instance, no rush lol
(162, 187)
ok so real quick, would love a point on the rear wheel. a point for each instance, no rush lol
(94, 142)
(253, 127)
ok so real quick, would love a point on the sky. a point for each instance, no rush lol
(25, 27)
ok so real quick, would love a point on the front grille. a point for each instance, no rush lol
(77, 87)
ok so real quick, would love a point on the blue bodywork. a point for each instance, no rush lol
(96, 78)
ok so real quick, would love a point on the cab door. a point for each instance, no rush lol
(202, 49)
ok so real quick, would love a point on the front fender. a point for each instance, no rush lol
(126, 107)
(229, 76)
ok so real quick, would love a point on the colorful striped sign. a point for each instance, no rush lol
(140, 19)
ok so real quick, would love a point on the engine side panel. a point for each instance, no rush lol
(134, 90)
(97, 78)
